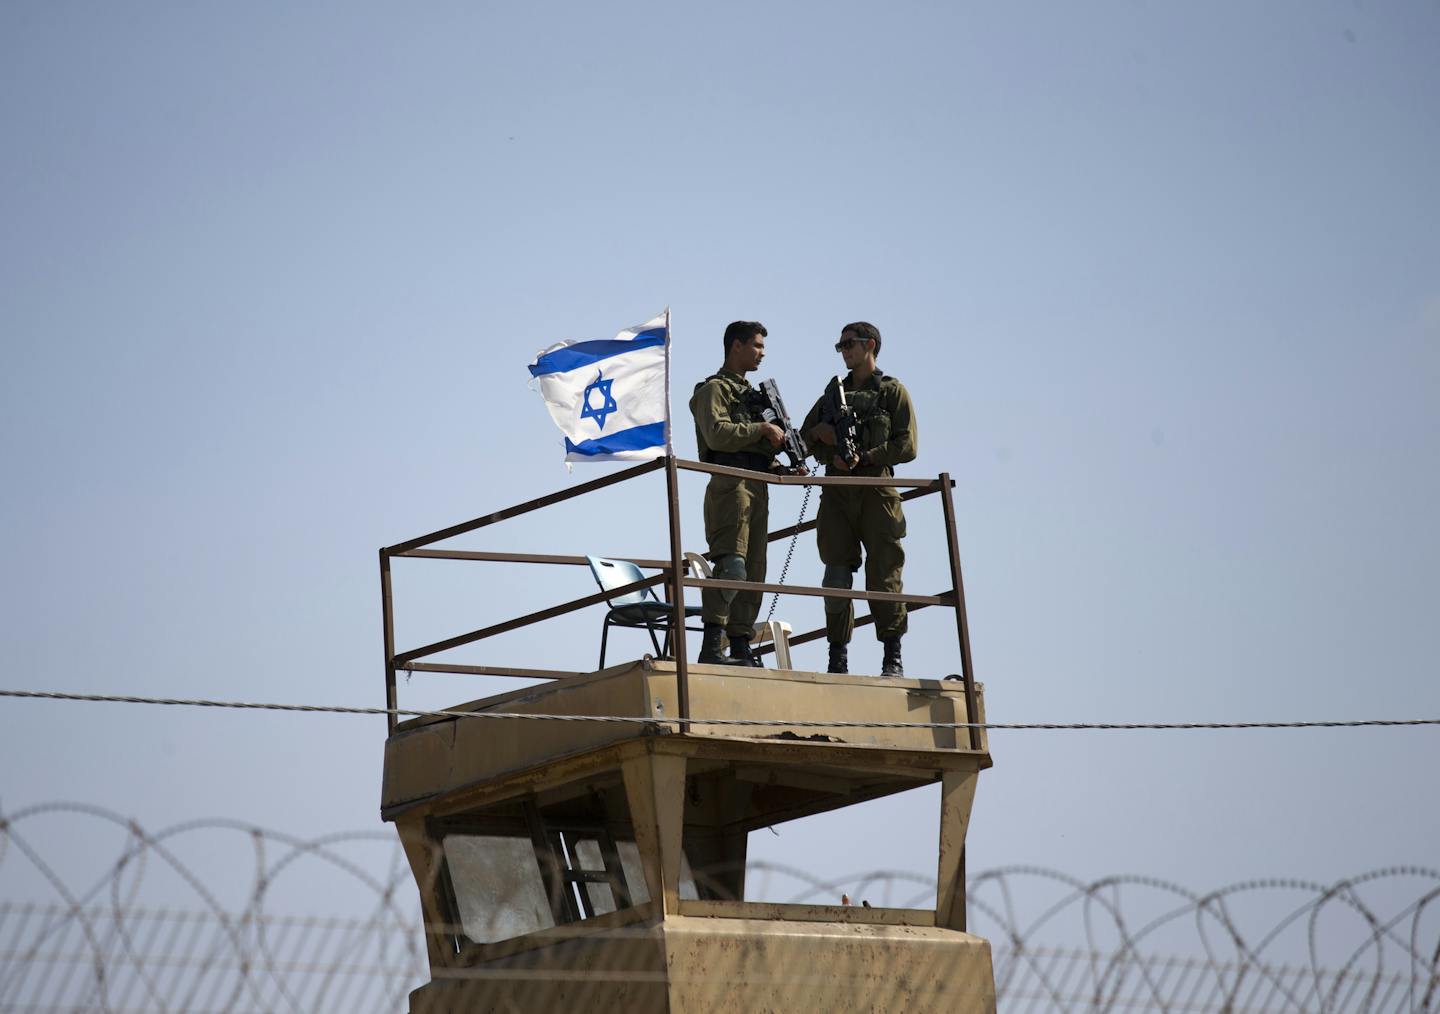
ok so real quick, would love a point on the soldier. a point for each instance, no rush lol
(737, 511)
(869, 516)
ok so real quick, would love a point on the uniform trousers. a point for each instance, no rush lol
(737, 522)
(852, 517)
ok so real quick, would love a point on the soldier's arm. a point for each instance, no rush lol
(811, 430)
(712, 416)
(904, 439)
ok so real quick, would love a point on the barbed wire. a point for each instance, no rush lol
(1349, 723)
(99, 940)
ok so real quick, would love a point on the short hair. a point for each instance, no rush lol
(743, 331)
(862, 329)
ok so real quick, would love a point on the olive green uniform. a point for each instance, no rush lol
(868, 516)
(728, 431)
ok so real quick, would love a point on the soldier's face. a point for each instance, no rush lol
(751, 353)
(852, 349)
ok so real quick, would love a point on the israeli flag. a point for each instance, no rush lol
(611, 399)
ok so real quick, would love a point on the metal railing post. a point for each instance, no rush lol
(387, 612)
(962, 623)
(677, 589)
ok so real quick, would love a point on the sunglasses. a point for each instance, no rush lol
(845, 343)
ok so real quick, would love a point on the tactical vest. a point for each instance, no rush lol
(743, 409)
(872, 418)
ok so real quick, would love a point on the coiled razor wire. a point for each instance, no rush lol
(94, 937)
(1349, 723)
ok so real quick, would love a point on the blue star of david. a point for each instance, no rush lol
(607, 402)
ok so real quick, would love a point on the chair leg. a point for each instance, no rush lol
(604, 636)
(654, 641)
(781, 636)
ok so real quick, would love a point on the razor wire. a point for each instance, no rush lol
(115, 939)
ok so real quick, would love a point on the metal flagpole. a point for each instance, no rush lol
(669, 441)
(677, 573)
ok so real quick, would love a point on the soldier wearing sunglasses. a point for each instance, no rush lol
(868, 517)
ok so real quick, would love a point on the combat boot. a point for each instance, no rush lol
(712, 645)
(839, 658)
(740, 653)
(891, 665)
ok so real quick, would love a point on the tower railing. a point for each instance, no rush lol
(671, 574)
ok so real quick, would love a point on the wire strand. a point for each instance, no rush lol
(1353, 723)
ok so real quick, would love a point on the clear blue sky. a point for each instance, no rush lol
(1163, 280)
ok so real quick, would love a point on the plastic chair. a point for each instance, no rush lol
(637, 609)
(777, 631)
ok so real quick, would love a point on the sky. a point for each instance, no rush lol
(1162, 280)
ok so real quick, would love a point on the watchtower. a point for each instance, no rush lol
(596, 859)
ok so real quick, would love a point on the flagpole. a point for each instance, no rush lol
(669, 441)
(677, 572)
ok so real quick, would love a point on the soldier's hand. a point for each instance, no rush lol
(824, 433)
(772, 433)
(841, 465)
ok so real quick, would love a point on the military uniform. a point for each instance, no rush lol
(868, 516)
(728, 431)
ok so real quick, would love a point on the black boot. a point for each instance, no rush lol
(839, 658)
(891, 664)
(740, 653)
(712, 645)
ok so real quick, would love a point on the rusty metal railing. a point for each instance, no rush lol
(671, 575)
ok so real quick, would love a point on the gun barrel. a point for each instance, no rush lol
(847, 435)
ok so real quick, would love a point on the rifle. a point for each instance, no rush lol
(847, 431)
(772, 410)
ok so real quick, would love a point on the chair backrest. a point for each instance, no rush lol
(698, 565)
(610, 574)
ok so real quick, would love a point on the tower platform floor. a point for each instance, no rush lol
(428, 757)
